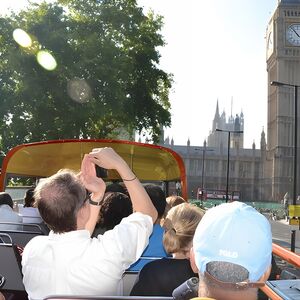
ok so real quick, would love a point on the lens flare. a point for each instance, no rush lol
(79, 90)
(22, 38)
(46, 60)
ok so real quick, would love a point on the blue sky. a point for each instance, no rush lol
(216, 50)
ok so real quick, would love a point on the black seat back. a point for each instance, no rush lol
(12, 226)
(10, 268)
(20, 238)
(5, 238)
(20, 233)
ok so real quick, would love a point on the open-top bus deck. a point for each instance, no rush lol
(150, 163)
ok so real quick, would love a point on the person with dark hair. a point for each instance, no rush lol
(155, 248)
(5, 199)
(232, 251)
(28, 211)
(28, 198)
(69, 261)
(162, 276)
(116, 187)
(7, 214)
(157, 197)
(115, 206)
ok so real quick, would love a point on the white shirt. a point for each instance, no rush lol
(8, 215)
(74, 264)
(30, 214)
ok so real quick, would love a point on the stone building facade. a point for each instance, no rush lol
(265, 174)
(206, 166)
(283, 66)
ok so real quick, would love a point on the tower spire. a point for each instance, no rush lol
(217, 114)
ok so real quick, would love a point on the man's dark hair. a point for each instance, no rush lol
(58, 199)
(115, 206)
(157, 197)
(5, 198)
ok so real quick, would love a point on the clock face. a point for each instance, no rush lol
(270, 39)
(270, 45)
(293, 34)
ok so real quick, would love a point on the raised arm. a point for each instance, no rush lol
(97, 188)
(109, 159)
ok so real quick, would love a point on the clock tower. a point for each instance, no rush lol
(283, 65)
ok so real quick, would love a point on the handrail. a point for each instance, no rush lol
(287, 255)
(270, 293)
(2, 234)
(21, 227)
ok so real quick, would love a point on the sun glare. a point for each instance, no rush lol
(22, 38)
(46, 60)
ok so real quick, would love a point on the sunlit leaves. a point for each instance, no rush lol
(91, 68)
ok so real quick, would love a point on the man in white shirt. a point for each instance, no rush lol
(7, 214)
(28, 211)
(68, 261)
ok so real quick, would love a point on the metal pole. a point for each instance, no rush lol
(295, 145)
(293, 233)
(277, 83)
(227, 177)
(228, 155)
(293, 240)
(202, 176)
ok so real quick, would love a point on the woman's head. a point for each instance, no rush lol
(115, 206)
(5, 198)
(174, 200)
(29, 198)
(180, 225)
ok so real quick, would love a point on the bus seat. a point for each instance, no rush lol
(20, 227)
(286, 289)
(290, 273)
(129, 278)
(5, 238)
(10, 270)
(21, 237)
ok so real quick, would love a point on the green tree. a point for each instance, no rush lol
(107, 58)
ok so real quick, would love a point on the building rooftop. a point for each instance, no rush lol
(288, 2)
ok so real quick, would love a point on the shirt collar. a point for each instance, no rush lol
(71, 235)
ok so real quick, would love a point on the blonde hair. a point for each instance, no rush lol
(180, 225)
(172, 201)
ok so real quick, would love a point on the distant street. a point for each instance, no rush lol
(282, 234)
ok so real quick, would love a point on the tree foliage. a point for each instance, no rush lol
(109, 46)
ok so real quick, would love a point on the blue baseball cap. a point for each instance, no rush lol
(235, 233)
